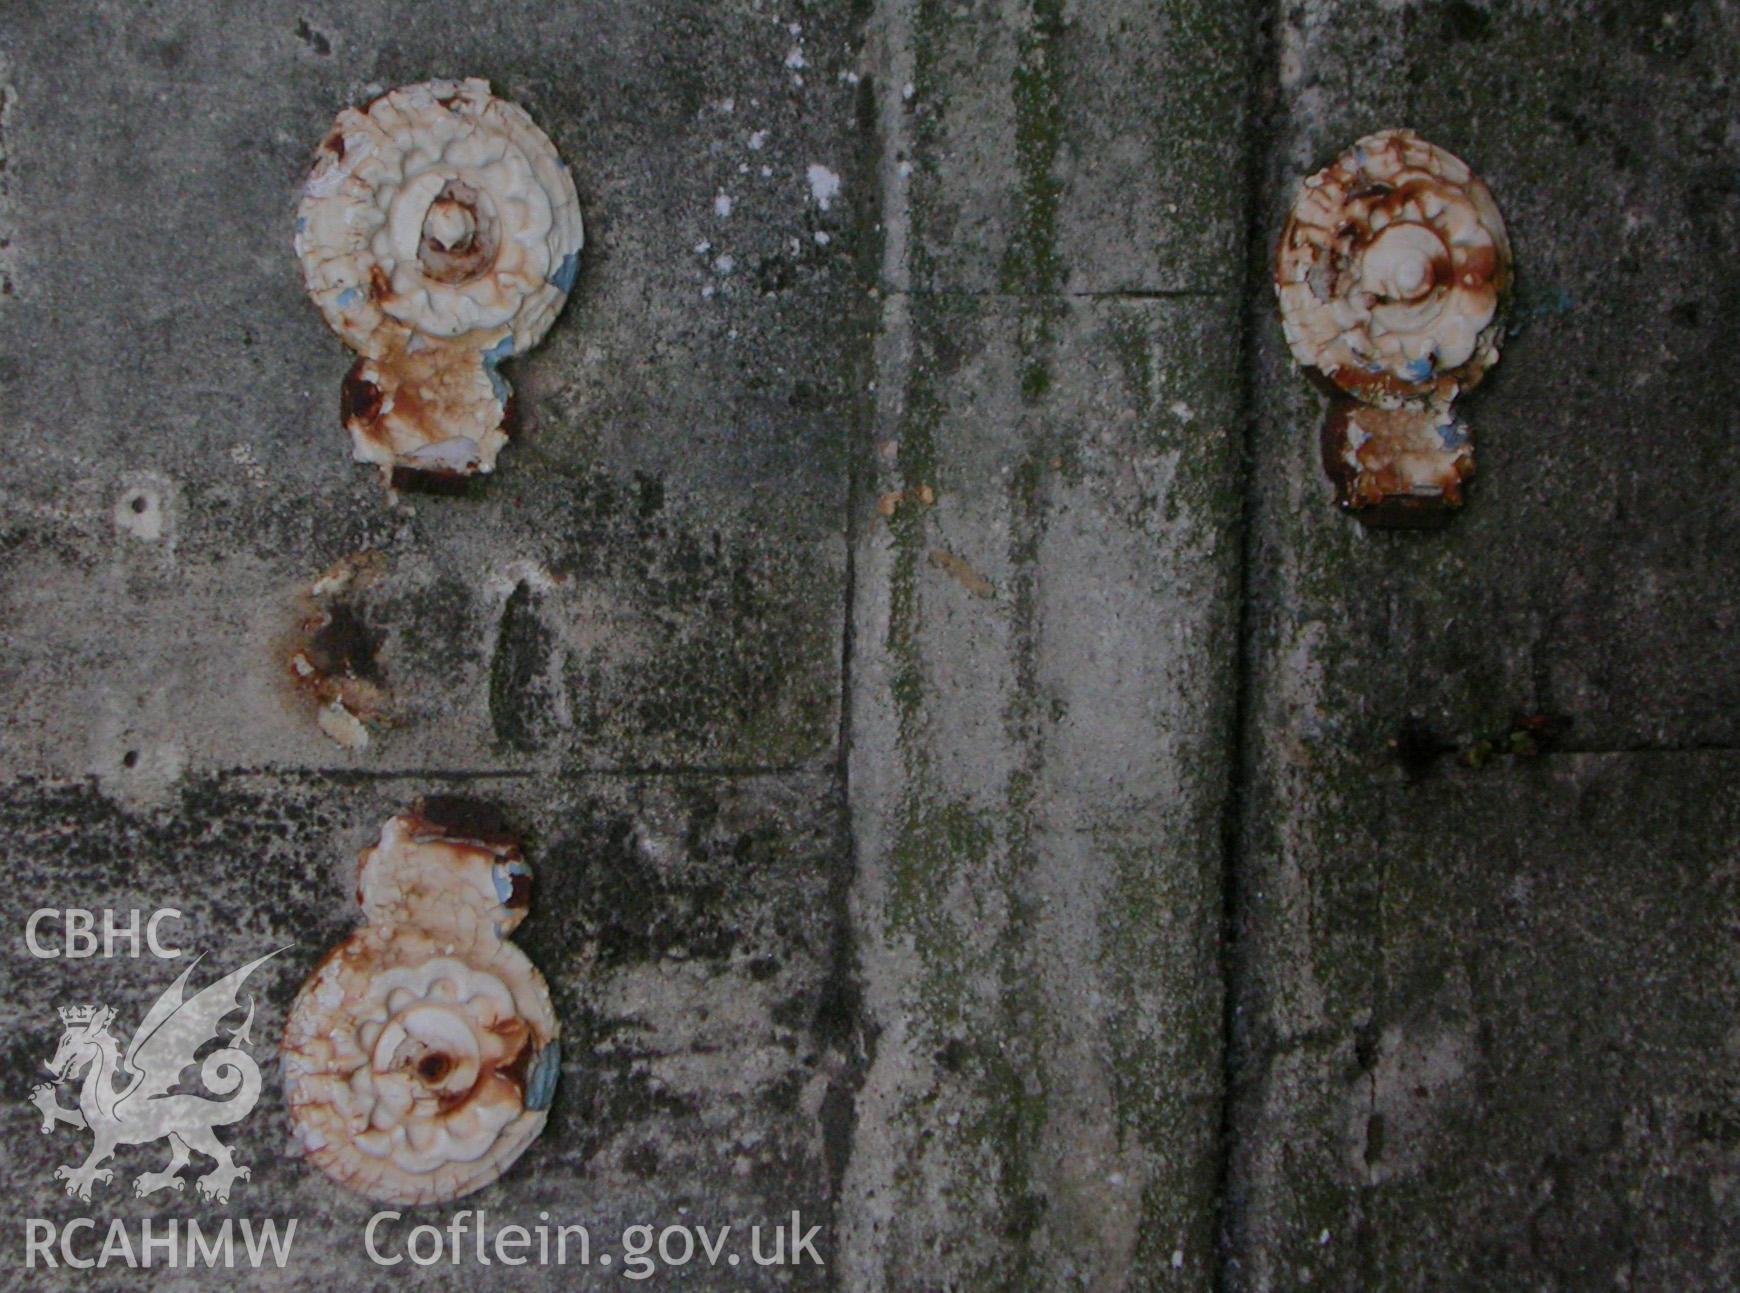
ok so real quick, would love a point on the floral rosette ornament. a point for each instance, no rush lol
(421, 1056)
(439, 234)
(1392, 272)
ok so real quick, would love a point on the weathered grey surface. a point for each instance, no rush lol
(909, 624)
(1525, 1067)
(1044, 653)
(674, 507)
(1483, 1014)
(630, 638)
(1043, 683)
(685, 927)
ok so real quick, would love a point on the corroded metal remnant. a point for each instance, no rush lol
(333, 656)
(439, 234)
(1392, 273)
(421, 1056)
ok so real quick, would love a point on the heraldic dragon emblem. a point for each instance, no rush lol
(144, 1105)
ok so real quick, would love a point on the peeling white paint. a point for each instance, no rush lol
(439, 233)
(420, 1057)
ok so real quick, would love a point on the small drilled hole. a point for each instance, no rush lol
(139, 503)
(130, 759)
(433, 1067)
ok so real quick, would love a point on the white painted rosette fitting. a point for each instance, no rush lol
(439, 234)
(1392, 274)
(421, 1056)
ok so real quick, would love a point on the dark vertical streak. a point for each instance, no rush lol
(1262, 97)
(840, 1025)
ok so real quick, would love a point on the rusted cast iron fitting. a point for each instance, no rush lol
(421, 1056)
(439, 234)
(1393, 272)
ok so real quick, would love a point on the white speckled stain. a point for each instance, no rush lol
(824, 185)
(139, 512)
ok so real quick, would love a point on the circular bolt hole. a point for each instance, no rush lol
(130, 759)
(139, 503)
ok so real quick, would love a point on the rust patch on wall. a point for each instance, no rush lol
(333, 656)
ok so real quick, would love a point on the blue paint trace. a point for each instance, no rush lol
(502, 349)
(1543, 304)
(541, 1085)
(1453, 435)
(347, 298)
(1421, 369)
(504, 877)
(566, 272)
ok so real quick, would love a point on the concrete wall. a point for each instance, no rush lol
(983, 795)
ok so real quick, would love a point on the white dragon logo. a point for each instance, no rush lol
(141, 1108)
